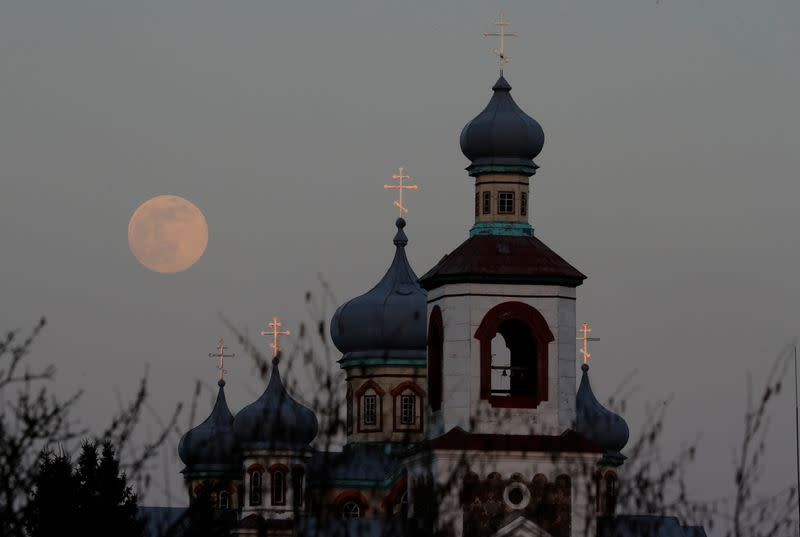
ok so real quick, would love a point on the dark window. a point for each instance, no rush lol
(278, 488)
(351, 509)
(514, 363)
(349, 409)
(224, 500)
(297, 487)
(477, 204)
(505, 202)
(255, 488)
(407, 404)
(487, 202)
(370, 409)
(523, 203)
(612, 489)
(435, 353)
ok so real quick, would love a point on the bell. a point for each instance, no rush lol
(505, 373)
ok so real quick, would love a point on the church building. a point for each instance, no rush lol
(464, 413)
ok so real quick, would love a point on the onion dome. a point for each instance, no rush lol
(388, 321)
(275, 420)
(502, 138)
(209, 448)
(599, 425)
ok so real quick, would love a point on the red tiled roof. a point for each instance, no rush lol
(502, 259)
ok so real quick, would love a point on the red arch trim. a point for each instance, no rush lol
(541, 332)
(255, 468)
(407, 385)
(278, 466)
(370, 384)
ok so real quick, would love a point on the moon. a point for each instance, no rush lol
(167, 234)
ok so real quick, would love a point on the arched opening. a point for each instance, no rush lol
(514, 360)
(255, 488)
(611, 493)
(298, 486)
(514, 339)
(369, 398)
(224, 500)
(278, 487)
(435, 358)
(408, 404)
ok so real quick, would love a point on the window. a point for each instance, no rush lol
(487, 202)
(514, 365)
(351, 509)
(505, 202)
(370, 409)
(435, 353)
(298, 487)
(255, 488)
(349, 409)
(407, 404)
(477, 204)
(612, 489)
(224, 500)
(278, 487)
(523, 203)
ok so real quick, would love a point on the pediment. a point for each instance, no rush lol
(521, 527)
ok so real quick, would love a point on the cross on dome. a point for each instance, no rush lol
(585, 331)
(275, 325)
(500, 51)
(220, 354)
(401, 176)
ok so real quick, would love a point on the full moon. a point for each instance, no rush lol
(167, 234)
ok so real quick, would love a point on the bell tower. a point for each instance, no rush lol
(501, 306)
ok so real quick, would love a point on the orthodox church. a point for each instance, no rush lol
(464, 413)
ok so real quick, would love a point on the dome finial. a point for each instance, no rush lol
(275, 324)
(585, 331)
(220, 355)
(500, 51)
(400, 176)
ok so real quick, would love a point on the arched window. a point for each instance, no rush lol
(349, 422)
(255, 488)
(370, 406)
(298, 486)
(224, 500)
(435, 358)
(513, 343)
(351, 509)
(611, 493)
(408, 399)
(277, 484)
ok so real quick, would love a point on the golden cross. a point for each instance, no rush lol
(585, 331)
(220, 354)
(401, 176)
(500, 51)
(275, 325)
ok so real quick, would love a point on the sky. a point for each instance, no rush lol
(668, 176)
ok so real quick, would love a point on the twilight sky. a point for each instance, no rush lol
(668, 176)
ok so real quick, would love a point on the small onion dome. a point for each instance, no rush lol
(209, 447)
(502, 138)
(275, 420)
(388, 321)
(599, 425)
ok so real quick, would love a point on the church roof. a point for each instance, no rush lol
(502, 137)
(389, 319)
(597, 423)
(275, 420)
(502, 259)
(356, 463)
(458, 439)
(209, 447)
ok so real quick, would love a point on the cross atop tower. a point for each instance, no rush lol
(220, 354)
(401, 176)
(275, 325)
(500, 51)
(585, 331)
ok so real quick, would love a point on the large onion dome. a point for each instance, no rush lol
(388, 321)
(596, 423)
(209, 448)
(502, 138)
(275, 420)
